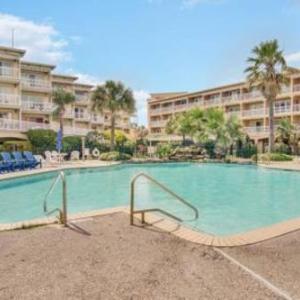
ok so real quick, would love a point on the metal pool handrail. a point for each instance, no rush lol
(163, 187)
(63, 210)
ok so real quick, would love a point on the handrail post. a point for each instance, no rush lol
(64, 219)
(131, 201)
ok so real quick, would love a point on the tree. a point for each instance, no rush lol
(234, 131)
(61, 98)
(115, 98)
(287, 134)
(180, 124)
(266, 72)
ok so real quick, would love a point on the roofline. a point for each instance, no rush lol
(38, 64)
(84, 84)
(65, 76)
(20, 51)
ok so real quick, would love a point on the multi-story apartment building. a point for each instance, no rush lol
(237, 99)
(26, 102)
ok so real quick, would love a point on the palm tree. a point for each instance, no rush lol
(234, 131)
(287, 133)
(61, 98)
(266, 72)
(180, 124)
(115, 98)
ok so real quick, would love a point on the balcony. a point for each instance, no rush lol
(9, 100)
(167, 109)
(158, 123)
(69, 114)
(234, 113)
(212, 102)
(251, 96)
(97, 119)
(9, 74)
(82, 99)
(256, 130)
(296, 88)
(82, 116)
(296, 108)
(253, 112)
(180, 107)
(38, 107)
(23, 126)
(279, 110)
(155, 111)
(231, 98)
(36, 85)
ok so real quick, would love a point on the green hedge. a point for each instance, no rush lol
(42, 140)
(71, 143)
(114, 156)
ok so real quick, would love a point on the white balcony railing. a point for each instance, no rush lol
(36, 84)
(9, 73)
(9, 99)
(82, 116)
(166, 108)
(180, 107)
(253, 112)
(212, 102)
(158, 123)
(231, 98)
(256, 130)
(97, 119)
(251, 95)
(282, 109)
(296, 107)
(82, 99)
(23, 126)
(236, 113)
(69, 114)
(38, 106)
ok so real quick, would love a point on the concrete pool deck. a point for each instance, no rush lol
(105, 258)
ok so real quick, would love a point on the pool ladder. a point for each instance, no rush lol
(164, 188)
(63, 209)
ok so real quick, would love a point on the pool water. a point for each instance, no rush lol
(230, 198)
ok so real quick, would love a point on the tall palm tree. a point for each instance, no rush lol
(266, 72)
(61, 98)
(288, 134)
(114, 97)
(233, 128)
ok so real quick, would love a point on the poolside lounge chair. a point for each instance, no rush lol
(32, 161)
(75, 155)
(8, 162)
(20, 159)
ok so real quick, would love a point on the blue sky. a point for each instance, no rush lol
(151, 45)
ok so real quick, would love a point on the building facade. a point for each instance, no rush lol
(234, 99)
(26, 101)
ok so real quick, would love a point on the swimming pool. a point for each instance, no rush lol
(230, 198)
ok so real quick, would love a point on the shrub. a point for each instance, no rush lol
(210, 146)
(128, 147)
(163, 150)
(114, 156)
(273, 157)
(71, 143)
(16, 146)
(42, 140)
(246, 151)
(282, 148)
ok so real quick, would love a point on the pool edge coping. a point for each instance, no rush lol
(179, 230)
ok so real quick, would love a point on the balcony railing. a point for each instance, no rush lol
(9, 73)
(158, 123)
(82, 116)
(180, 107)
(296, 107)
(17, 125)
(231, 98)
(69, 114)
(282, 109)
(256, 129)
(9, 100)
(36, 84)
(253, 112)
(212, 102)
(236, 113)
(166, 108)
(251, 95)
(38, 106)
(97, 119)
(81, 99)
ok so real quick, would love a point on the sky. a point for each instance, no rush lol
(150, 45)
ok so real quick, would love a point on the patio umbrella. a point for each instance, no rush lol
(59, 137)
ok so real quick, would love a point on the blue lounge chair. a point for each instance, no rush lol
(8, 162)
(20, 160)
(31, 160)
(2, 167)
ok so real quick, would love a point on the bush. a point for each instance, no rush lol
(163, 150)
(246, 151)
(210, 146)
(42, 140)
(71, 143)
(16, 146)
(282, 148)
(273, 157)
(128, 147)
(114, 156)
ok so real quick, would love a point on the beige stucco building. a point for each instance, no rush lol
(235, 99)
(26, 102)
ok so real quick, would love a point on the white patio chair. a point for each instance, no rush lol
(75, 155)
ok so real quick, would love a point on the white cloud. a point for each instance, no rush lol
(189, 3)
(41, 41)
(293, 57)
(85, 78)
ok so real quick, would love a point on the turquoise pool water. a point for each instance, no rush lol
(230, 198)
